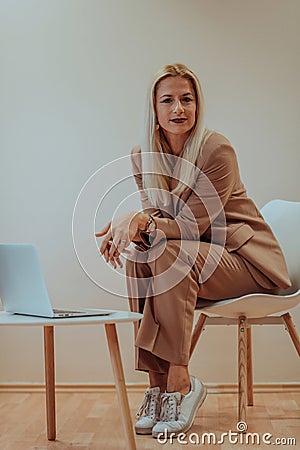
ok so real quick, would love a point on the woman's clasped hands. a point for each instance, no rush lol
(119, 233)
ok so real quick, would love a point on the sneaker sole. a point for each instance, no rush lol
(143, 431)
(191, 421)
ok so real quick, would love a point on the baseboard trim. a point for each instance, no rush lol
(137, 387)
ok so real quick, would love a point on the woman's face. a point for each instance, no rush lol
(175, 105)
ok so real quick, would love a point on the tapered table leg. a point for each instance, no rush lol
(114, 351)
(50, 381)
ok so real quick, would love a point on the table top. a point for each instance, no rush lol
(115, 317)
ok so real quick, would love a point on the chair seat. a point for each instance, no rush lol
(251, 305)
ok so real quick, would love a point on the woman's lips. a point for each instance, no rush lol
(178, 120)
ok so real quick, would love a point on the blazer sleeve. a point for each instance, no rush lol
(212, 188)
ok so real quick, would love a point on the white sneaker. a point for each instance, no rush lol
(148, 413)
(178, 411)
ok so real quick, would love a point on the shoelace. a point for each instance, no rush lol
(170, 408)
(149, 406)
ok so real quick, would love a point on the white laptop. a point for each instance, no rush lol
(22, 286)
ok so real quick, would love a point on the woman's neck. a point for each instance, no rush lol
(176, 142)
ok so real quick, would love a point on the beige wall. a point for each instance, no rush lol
(73, 79)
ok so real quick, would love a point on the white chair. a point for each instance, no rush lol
(258, 309)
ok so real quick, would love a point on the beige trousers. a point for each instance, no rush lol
(165, 283)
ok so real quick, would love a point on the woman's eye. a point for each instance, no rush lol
(187, 99)
(166, 100)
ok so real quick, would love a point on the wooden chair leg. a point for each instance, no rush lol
(242, 368)
(249, 367)
(50, 381)
(197, 331)
(114, 351)
(292, 331)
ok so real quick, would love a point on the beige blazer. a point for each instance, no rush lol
(246, 231)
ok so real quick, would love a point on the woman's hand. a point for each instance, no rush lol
(115, 259)
(119, 233)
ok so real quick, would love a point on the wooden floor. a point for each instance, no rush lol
(92, 421)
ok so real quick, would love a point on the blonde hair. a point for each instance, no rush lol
(154, 143)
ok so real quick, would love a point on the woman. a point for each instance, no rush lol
(198, 236)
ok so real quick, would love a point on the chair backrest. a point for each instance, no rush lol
(284, 219)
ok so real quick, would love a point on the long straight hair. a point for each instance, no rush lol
(155, 148)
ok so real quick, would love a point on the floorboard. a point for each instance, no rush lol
(92, 421)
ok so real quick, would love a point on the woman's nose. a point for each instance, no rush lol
(178, 106)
